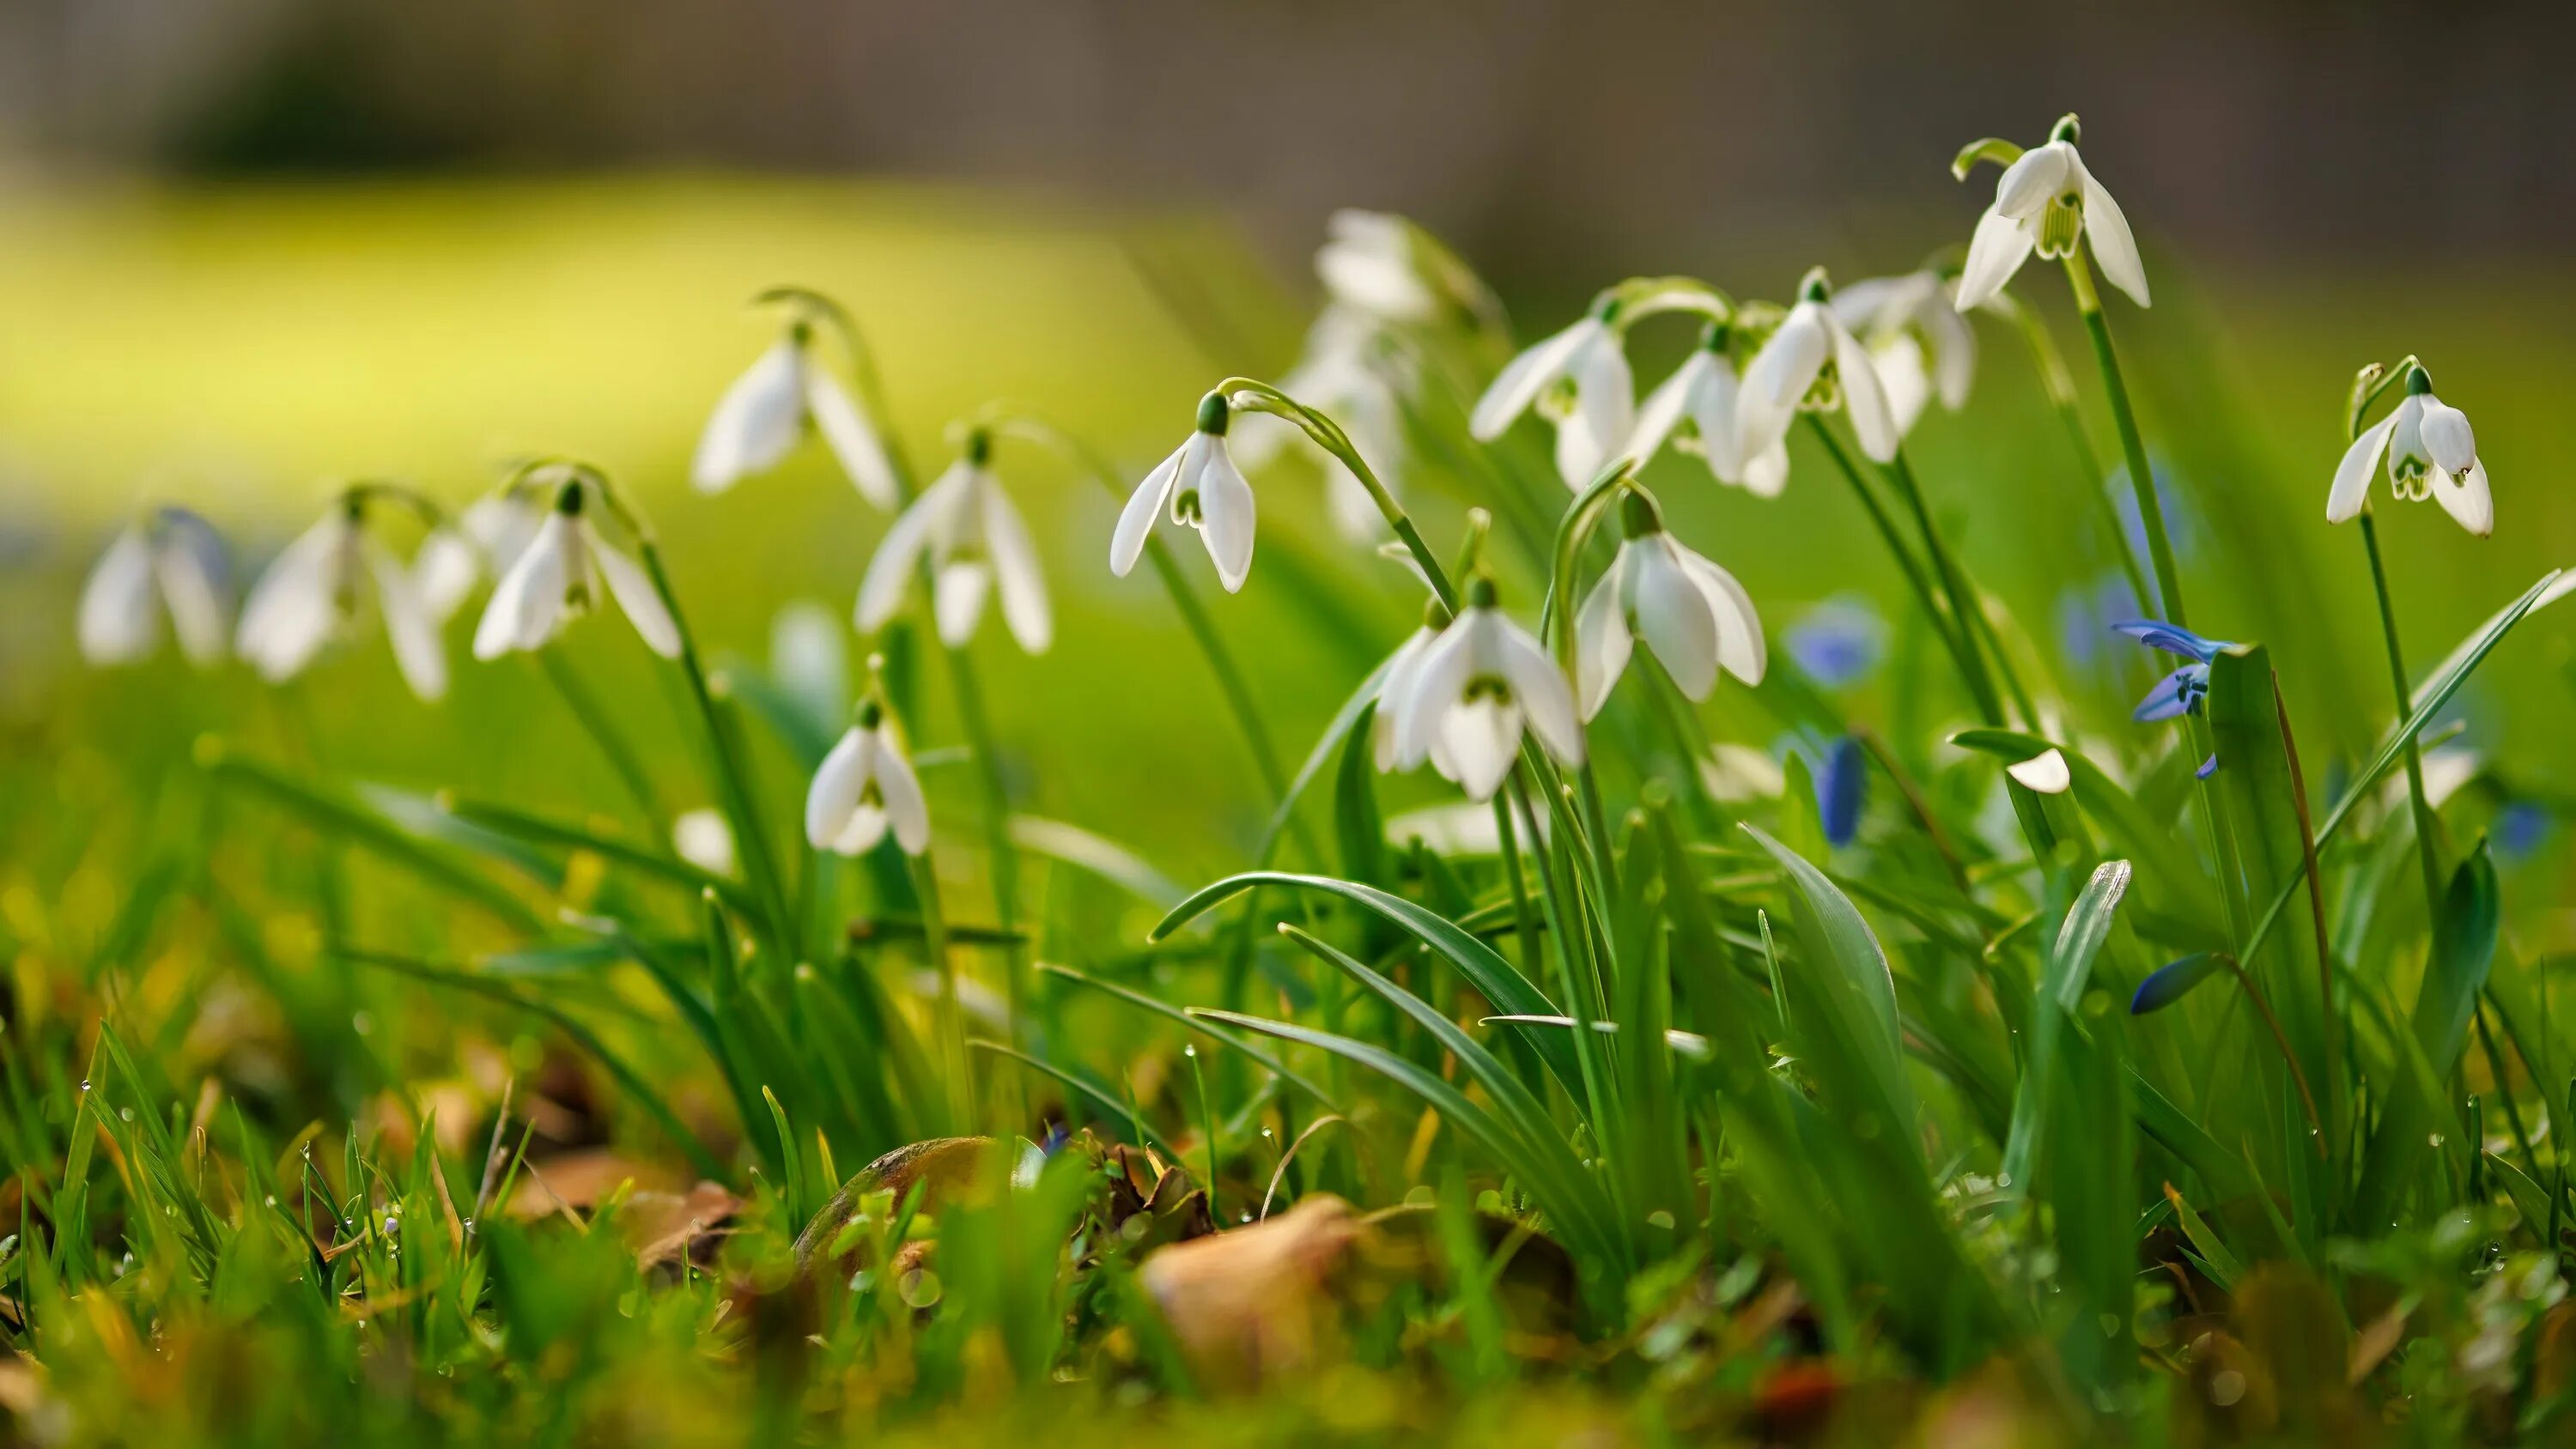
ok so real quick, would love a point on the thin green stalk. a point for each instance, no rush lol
(2142, 478)
(997, 822)
(1329, 436)
(952, 1017)
(1561, 932)
(2427, 844)
(1962, 652)
(733, 781)
(604, 733)
(1964, 614)
(1524, 923)
(2059, 385)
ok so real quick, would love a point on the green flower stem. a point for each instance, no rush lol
(1966, 612)
(952, 1017)
(1962, 649)
(1193, 611)
(733, 782)
(997, 821)
(1329, 436)
(603, 732)
(2427, 844)
(1524, 921)
(2059, 384)
(2142, 478)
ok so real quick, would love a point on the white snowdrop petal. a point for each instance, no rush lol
(891, 568)
(1954, 349)
(2448, 440)
(957, 600)
(2466, 499)
(1226, 516)
(1438, 681)
(1673, 615)
(1481, 739)
(1996, 250)
(1541, 689)
(119, 619)
(409, 627)
(1741, 648)
(1401, 668)
(295, 607)
(1713, 411)
(1605, 391)
(2031, 182)
(1778, 377)
(838, 783)
(2044, 772)
(2352, 476)
(1665, 407)
(1136, 520)
(636, 597)
(1767, 476)
(755, 423)
(1905, 377)
(444, 571)
(1016, 574)
(1863, 398)
(852, 439)
(1601, 639)
(2113, 246)
(1525, 377)
(906, 812)
(528, 602)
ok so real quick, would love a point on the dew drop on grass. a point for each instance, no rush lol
(2225, 1387)
(126, 1113)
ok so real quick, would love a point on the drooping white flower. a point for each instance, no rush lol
(559, 576)
(444, 569)
(2432, 453)
(1201, 487)
(170, 561)
(1341, 373)
(316, 590)
(975, 541)
(1917, 338)
(2045, 772)
(2046, 201)
(1693, 614)
(1695, 410)
(1477, 687)
(1811, 362)
(1578, 379)
(1368, 261)
(503, 523)
(864, 788)
(763, 416)
(1402, 668)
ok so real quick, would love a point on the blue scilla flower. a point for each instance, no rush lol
(1838, 642)
(1842, 788)
(2178, 693)
(2520, 828)
(2085, 613)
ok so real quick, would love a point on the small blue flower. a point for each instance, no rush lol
(1838, 642)
(2172, 639)
(2175, 695)
(1842, 789)
(2520, 828)
(2178, 693)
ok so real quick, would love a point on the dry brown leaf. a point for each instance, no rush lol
(664, 1227)
(1254, 1303)
(582, 1179)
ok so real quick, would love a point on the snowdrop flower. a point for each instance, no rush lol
(1341, 374)
(2431, 454)
(1694, 409)
(1917, 338)
(763, 416)
(1812, 363)
(2044, 202)
(1403, 667)
(2045, 772)
(558, 578)
(864, 788)
(1203, 489)
(167, 561)
(1477, 687)
(1367, 262)
(444, 569)
(315, 591)
(1694, 615)
(975, 542)
(1578, 380)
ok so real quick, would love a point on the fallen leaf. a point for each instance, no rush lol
(664, 1227)
(1255, 1303)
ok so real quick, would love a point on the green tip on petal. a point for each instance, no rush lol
(1717, 336)
(1480, 592)
(2418, 381)
(1815, 286)
(2068, 130)
(871, 714)
(568, 499)
(979, 444)
(1214, 414)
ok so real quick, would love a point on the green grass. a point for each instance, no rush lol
(307, 988)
